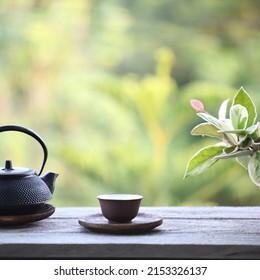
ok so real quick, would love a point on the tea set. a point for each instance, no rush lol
(120, 214)
(24, 194)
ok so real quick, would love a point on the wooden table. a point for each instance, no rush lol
(186, 233)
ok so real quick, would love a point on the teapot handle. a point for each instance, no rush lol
(32, 134)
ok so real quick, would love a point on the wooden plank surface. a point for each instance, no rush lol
(186, 232)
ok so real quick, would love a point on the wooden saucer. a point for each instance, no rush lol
(42, 213)
(141, 223)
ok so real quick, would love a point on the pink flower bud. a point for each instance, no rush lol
(197, 105)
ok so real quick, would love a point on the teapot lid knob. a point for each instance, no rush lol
(8, 165)
(9, 170)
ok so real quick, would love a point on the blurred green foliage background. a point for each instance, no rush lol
(107, 85)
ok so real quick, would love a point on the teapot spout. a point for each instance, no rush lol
(49, 179)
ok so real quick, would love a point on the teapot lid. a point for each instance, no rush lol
(9, 170)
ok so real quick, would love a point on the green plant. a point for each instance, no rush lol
(239, 136)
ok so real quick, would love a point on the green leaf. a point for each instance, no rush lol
(235, 154)
(248, 131)
(242, 98)
(237, 131)
(229, 150)
(256, 133)
(206, 129)
(254, 168)
(222, 113)
(203, 160)
(245, 142)
(214, 121)
(238, 116)
(244, 161)
(251, 129)
(221, 125)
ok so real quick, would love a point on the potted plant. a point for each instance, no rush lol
(238, 134)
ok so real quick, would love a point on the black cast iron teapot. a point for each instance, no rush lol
(22, 190)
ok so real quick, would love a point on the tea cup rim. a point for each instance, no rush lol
(119, 196)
